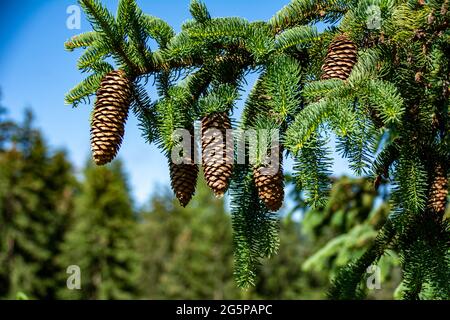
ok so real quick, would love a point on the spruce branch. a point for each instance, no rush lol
(306, 123)
(299, 36)
(84, 89)
(83, 40)
(199, 11)
(92, 55)
(398, 88)
(346, 285)
(158, 29)
(130, 18)
(255, 229)
(303, 12)
(312, 170)
(108, 29)
(282, 85)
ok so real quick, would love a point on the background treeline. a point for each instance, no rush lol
(51, 218)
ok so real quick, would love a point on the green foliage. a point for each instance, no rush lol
(345, 231)
(390, 117)
(306, 124)
(220, 99)
(302, 12)
(85, 89)
(199, 11)
(187, 253)
(21, 296)
(82, 40)
(101, 240)
(312, 171)
(158, 30)
(282, 277)
(165, 251)
(410, 197)
(347, 284)
(255, 229)
(36, 200)
(130, 18)
(296, 37)
(420, 281)
(282, 83)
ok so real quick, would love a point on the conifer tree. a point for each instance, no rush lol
(377, 77)
(7, 127)
(187, 253)
(345, 228)
(36, 188)
(101, 241)
(282, 277)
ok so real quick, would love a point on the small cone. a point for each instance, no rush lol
(184, 179)
(270, 185)
(217, 154)
(184, 176)
(439, 191)
(110, 115)
(341, 57)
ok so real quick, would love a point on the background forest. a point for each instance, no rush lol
(51, 218)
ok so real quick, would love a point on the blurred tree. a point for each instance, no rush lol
(282, 277)
(36, 188)
(6, 127)
(345, 228)
(102, 240)
(187, 253)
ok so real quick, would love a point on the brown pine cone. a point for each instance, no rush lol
(439, 191)
(217, 154)
(184, 175)
(341, 58)
(269, 182)
(183, 180)
(110, 115)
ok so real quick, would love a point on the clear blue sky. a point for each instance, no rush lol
(36, 72)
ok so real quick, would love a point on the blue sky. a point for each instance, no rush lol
(36, 72)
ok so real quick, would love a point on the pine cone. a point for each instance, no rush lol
(270, 185)
(109, 117)
(341, 57)
(217, 155)
(183, 176)
(183, 180)
(439, 191)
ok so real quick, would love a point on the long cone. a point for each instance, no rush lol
(110, 115)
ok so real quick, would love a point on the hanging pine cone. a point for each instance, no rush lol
(439, 191)
(183, 176)
(183, 180)
(341, 57)
(270, 185)
(217, 155)
(109, 117)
